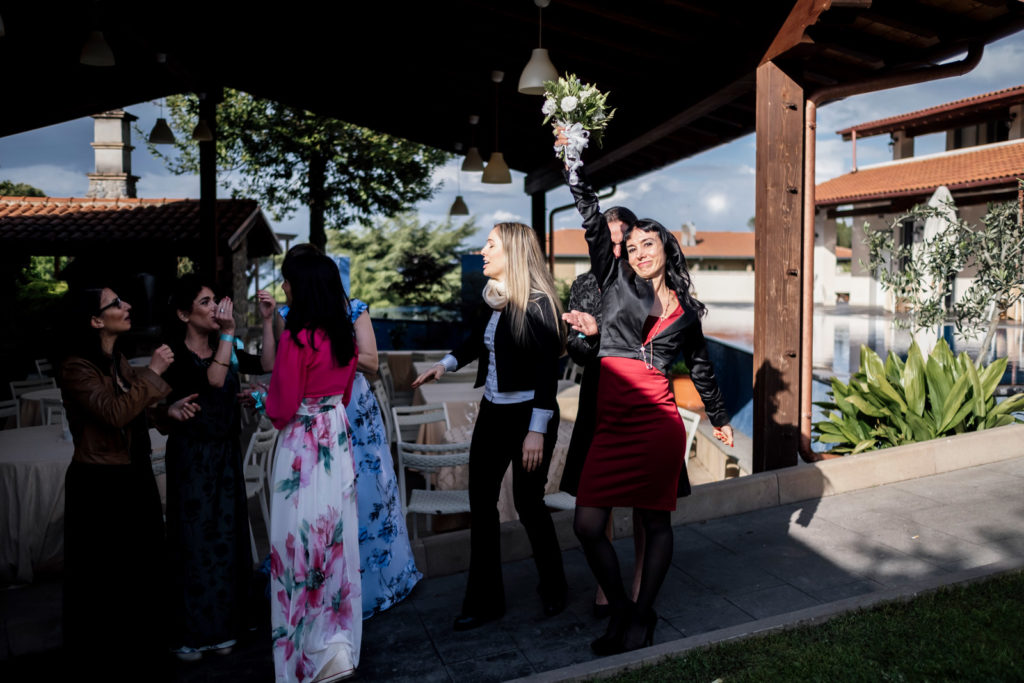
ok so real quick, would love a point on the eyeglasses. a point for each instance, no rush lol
(116, 302)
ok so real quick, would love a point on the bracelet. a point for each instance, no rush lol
(228, 338)
(219, 362)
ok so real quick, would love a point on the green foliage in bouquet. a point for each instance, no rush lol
(569, 101)
(899, 402)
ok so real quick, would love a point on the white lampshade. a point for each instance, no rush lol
(497, 172)
(459, 207)
(96, 52)
(161, 133)
(538, 70)
(473, 160)
(202, 132)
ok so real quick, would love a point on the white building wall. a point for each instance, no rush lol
(725, 286)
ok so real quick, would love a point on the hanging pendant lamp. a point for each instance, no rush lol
(496, 171)
(161, 133)
(473, 160)
(459, 207)
(539, 68)
(96, 52)
(202, 132)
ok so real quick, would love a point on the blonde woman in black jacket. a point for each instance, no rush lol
(517, 342)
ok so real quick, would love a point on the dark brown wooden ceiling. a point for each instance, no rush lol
(680, 73)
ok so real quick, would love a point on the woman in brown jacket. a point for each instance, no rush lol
(113, 526)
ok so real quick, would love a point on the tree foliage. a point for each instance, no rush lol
(923, 274)
(287, 157)
(9, 188)
(401, 262)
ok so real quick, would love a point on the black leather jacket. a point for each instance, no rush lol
(626, 302)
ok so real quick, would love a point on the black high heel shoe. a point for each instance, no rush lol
(611, 642)
(640, 631)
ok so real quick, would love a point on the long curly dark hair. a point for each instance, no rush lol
(319, 302)
(677, 274)
(183, 295)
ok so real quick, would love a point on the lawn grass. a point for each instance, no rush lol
(962, 633)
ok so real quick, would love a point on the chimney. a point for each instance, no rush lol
(689, 235)
(113, 177)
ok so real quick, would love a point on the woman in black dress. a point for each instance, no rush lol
(207, 515)
(517, 342)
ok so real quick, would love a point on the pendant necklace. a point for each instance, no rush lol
(665, 311)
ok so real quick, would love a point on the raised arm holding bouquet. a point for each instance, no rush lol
(580, 113)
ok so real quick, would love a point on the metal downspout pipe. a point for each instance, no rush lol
(824, 96)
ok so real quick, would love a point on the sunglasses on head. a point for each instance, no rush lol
(116, 302)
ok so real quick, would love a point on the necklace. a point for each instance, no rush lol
(666, 310)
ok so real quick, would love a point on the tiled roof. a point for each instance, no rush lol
(998, 98)
(710, 245)
(71, 225)
(981, 166)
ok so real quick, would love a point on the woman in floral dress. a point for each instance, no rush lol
(387, 566)
(315, 587)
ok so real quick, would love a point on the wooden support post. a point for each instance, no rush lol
(777, 259)
(210, 261)
(539, 218)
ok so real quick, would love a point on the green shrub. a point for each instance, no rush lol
(899, 402)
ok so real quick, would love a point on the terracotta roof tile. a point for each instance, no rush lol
(981, 166)
(710, 245)
(1004, 97)
(69, 225)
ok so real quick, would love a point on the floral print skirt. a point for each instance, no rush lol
(316, 601)
(387, 566)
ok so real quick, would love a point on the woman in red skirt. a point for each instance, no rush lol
(649, 317)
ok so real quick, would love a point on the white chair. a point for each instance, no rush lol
(44, 367)
(566, 501)
(9, 409)
(691, 421)
(573, 372)
(384, 374)
(381, 394)
(52, 408)
(23, 386)
(408, 419)
(428, 459)
(257, 465)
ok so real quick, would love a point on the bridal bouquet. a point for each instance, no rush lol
(580, 113)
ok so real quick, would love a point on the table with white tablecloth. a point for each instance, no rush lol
(33, 462)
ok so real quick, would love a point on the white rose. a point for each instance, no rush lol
(549, 107)
(569, 103)
(586, 93)
(598, 116)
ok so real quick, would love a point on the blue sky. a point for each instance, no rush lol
(714, 190)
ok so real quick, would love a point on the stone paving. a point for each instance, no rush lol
(726, 573)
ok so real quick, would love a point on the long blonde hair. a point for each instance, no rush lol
(525, 272)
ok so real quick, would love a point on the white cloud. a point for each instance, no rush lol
(1002, 62)
(167, 185)
(54, 180)
(503, 216)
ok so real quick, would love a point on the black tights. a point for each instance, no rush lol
(589, 525)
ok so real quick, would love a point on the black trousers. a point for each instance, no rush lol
(497, 441)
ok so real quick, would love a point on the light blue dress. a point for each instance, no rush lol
(386, 562)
